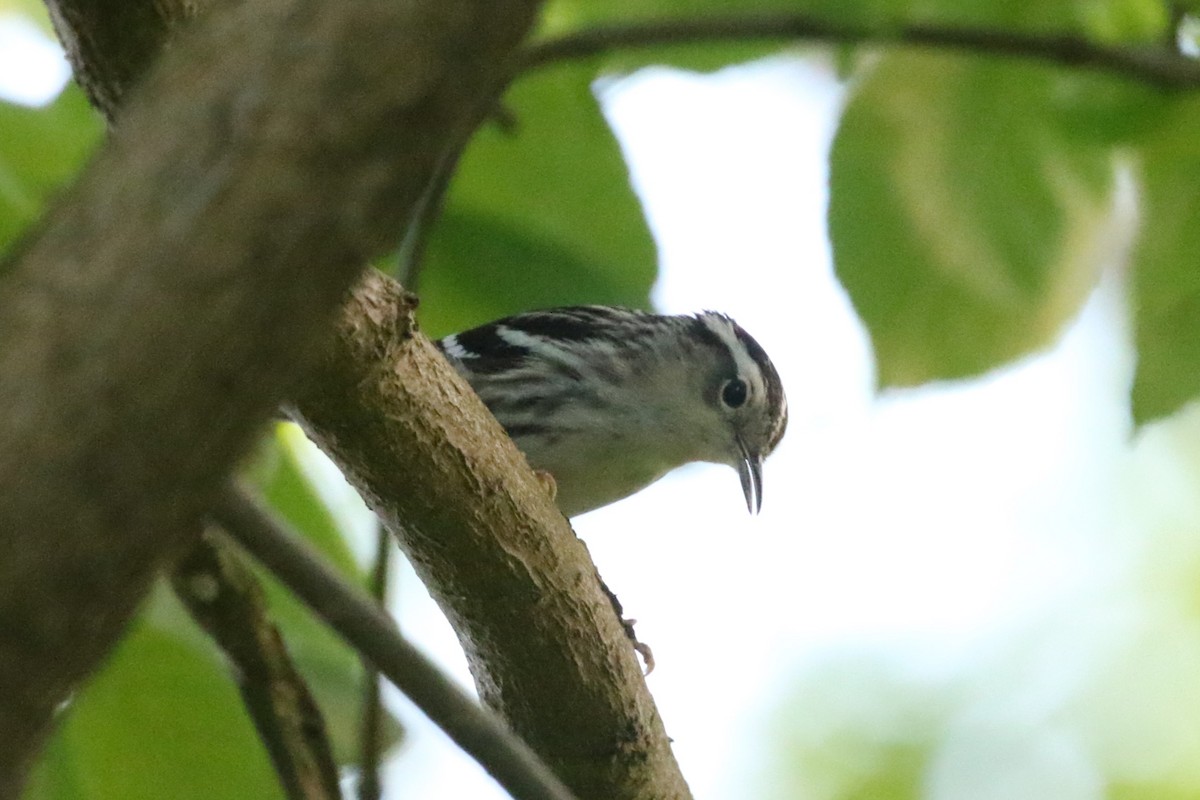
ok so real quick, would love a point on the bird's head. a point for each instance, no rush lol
(744, 411)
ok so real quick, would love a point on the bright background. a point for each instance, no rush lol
(983, 573)
(976, 590)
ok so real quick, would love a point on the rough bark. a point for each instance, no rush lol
(183, 285)
(544, 644)
(112, 43)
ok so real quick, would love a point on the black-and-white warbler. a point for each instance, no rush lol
(608, 400)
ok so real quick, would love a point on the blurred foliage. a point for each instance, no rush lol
(1123, 20)
(864, 733)
(540, 213)
(1166, 266)
(564, 17)
(162, 719)
(41, 149)
(168, 702)
(31, 10)
(966, 225)
(973, 204)
(1094, 695)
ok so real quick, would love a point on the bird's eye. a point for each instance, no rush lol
(734, 392)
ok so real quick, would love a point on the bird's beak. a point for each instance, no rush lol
(750, 471)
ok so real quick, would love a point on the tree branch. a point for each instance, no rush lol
(544, 644)
(112, 43)
(186, 282)
(225, 598)
(370, 631)
(370, 746)
(1155, 66)
(628, 733)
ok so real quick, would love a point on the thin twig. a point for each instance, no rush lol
(420, 229)
(226, 599)
(366, 628)
(1155, 66)
(369, 785)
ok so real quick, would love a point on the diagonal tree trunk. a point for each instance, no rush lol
(155, 318)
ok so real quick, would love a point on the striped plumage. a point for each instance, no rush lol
(608, 400)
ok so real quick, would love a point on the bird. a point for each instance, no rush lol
(606, 400)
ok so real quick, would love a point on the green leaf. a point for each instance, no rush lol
(563, 16)
(156, 722)
(41, 149)
(483, 284)
(1105, 110)
(1150, 789)
(1166, 268)
(164, 717)
(543, 211)
(1124, 21)
(965, 225)
(166, 654)
(1121, 19)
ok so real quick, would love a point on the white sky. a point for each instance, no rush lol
(928, 531)
(32, 68)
